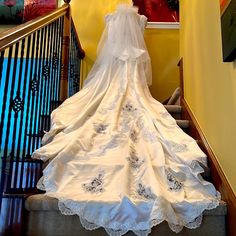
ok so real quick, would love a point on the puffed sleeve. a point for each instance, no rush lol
(108, 18)
(143, 22)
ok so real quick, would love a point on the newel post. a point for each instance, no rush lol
(65, 53)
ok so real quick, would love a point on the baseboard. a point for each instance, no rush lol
(217, 175)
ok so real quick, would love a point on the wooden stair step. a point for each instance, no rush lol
(184, 124)
(173, 108)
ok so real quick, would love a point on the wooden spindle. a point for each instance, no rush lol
(65, 55)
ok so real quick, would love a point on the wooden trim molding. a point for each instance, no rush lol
(218, 177)
(162, 25)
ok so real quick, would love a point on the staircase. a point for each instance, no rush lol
(46, 219)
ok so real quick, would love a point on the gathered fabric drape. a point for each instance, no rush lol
(117, 158)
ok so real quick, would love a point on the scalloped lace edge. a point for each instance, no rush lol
(66, 209)
(86, 223)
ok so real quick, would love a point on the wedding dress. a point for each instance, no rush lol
(117, 159)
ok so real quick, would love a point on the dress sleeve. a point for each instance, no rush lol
(108, 18)
(143, 22)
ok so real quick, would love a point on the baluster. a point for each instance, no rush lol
(75, 64)
(45, 111)
(40, 95)
(38, 173)
(52, 77)
(3, 132)
(27, 175)
(1, 64)
(60, 82)
(32, 89)
(44, 78)
(54, 67)
(71, 67)
(2, 83)
(78, 71)
(65, 57)
(34, 80)
(30, 174)
(13, 106)
(77, 68)
(26, 91)
(18, 121)
(57, 80)
(59, 63)
(69, 70)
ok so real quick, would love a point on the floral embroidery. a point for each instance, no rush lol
(129, 107)
(144, 192)
(95, 185)
(100, 128)
(140, 123)
(133, 135)
(178, 147)
(149, 136)
(174, 184)
(133, 159)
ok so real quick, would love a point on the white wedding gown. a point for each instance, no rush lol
(118, 160)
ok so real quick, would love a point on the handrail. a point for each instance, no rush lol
(14, 35)
(39, 66)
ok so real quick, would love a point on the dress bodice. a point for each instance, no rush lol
(124, 34)
(142, 20)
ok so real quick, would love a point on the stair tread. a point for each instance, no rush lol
(173, 108)
(183, 123)
(41, 202)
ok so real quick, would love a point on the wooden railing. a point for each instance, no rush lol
(38, 60)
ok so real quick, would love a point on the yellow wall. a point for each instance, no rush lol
(163, 45)
(210, 84)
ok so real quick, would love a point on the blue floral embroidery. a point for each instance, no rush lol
(95, 185)
(174, 184)
(145, 192)
(133, 135)
(134, 160)
(100, 128)
(129, 107)
(140, 122)
(176, 147)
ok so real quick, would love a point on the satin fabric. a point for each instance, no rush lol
(117, 158)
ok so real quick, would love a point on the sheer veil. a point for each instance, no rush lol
(122, 39)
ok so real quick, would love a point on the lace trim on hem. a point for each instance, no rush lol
(66, 210)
